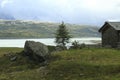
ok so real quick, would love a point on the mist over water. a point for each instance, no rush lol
(46, 41)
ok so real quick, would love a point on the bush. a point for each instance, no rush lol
(82, 45)
(51, 48)
(77, 45)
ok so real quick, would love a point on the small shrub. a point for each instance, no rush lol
(51, 48)
(77, 45)
(83, 45)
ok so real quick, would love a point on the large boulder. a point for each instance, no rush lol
(36, 50)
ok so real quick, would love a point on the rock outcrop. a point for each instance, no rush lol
(36, 51)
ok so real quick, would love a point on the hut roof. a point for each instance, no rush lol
(115, 25)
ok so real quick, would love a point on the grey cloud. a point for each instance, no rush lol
(71, 11)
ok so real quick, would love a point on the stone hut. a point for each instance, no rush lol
(110, 34)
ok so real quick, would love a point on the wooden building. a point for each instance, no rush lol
(110, 34)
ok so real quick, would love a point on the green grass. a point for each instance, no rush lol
(84, 64)
(5, 50)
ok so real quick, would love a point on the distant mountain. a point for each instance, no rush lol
(6, 16)
(36, 29)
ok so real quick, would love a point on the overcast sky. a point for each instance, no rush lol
(93, 12)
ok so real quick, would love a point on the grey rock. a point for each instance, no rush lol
(36, 50)
(13, 58)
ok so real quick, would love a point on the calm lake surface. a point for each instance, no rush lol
(47, 41)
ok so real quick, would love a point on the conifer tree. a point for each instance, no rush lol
(62, 36)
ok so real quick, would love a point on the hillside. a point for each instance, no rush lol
(6, 16)
(36, 29)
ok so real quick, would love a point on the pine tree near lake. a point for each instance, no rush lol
(62, 36)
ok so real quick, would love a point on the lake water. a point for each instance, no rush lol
(47, 41)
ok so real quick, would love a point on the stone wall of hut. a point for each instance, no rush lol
(109, 37)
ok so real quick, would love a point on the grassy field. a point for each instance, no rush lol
(83, 64)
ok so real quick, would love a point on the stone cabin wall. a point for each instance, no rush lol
(109, 37)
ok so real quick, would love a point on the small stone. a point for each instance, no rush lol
(13, 58)
(81, 74)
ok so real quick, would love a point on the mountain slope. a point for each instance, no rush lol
(36, 29)
(6, 16)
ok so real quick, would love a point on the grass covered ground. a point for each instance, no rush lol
(83, 64)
